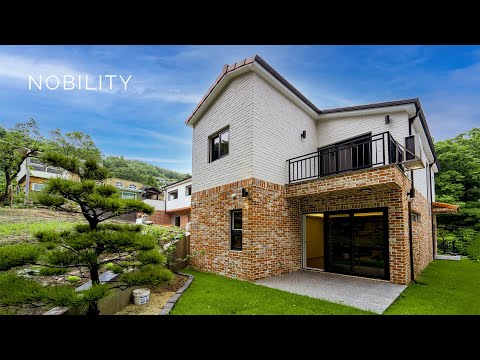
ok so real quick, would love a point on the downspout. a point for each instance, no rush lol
(411, 196)
(431, 208)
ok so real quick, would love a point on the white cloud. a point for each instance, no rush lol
(164, 137)
(174, 96)
(156, 160)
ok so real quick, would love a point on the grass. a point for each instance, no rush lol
(444, 288)
(218, 295)
(29, 228)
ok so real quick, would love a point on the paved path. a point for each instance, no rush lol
(362, 293)
(448, 257)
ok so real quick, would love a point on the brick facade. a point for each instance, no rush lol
(160, 217)
(272, 241)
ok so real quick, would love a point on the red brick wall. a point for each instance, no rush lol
(160, 217)
(422, 234)
(272, 222)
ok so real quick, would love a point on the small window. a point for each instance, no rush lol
(236, 229)
(132, 186)
(219, 145)
(119, 184)
(176, 221)
(38, 187)
(173, 195)
(128, 195)
(188, 190)
(416, 217)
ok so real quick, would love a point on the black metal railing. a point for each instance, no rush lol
(361, 153)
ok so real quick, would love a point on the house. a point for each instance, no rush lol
(34, 180)
(280, 185)
(39, 173)
(128, 189)
(175, 209)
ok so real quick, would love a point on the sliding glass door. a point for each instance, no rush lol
(357, 242)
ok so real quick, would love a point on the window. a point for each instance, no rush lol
(188, 190)
(132, 186)
(38, 187)
(219, 144)
(176, 221)
(173, 195)
(119, 184)
(128, 195)
(416, 217)
(236, 229)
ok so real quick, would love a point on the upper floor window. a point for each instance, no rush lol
(119, 184)
(188, 190)
(132, 186)
(219, 144)
(173, 195)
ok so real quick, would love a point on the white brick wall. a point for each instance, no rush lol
(265, 129)
(332, 130)
(233, 107)
(277, 125)
(182, 200)
(420, 176)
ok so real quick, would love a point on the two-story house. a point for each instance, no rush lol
(280, 185)
(175, 208)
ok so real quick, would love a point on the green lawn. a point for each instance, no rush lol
(445, 287)
(218, 295)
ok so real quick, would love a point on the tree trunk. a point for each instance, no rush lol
(10, 195)
(93, 309)
(94, 275)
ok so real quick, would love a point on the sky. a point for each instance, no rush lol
(145, 119)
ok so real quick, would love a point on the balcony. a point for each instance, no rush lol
(351, 155)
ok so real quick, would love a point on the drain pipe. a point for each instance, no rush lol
(411, 195)
(431, 208)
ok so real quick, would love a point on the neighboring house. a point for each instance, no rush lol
(280, 185)
(34, 180)
(128, 189)
(175, 209)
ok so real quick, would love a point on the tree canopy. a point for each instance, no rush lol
(16, 144)
(140, 171)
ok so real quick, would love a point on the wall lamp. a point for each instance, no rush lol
(387, 119)
(303, 135)
(244, 192)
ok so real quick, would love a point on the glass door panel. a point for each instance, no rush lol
(339, 238)
(369, 244)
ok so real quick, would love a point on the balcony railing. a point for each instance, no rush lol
(361, 153)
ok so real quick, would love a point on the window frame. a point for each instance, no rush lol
(175, 220)
(235, 231)
(128, 198)
(210, 143)
(43, 185)
(190, 192)
(133, 186)
(416, 217)
(171, 192)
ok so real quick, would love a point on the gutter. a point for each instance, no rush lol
(411, 195)
(431, 209)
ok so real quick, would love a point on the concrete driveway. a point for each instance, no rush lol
(362, 293)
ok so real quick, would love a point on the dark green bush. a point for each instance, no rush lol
(117, 269)
(60, 295)
(95, 293)
(47, 236)
(47, 271)
(151, 257)
(148, 274)
(60, 257)
(15, 290)
(16, 255)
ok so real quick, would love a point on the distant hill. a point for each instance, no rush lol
(141, 171)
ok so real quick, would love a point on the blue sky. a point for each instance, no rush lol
(146, 121)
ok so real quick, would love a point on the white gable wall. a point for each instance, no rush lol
(233, 107)
(277, 125)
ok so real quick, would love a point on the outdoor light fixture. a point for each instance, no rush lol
(234, 196)
(303, 135)
(244, 192)
(387, 119)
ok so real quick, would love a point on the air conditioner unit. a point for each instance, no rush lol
(413, 144)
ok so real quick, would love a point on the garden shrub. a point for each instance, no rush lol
(151, 257)
(15, 290)
(148, 274)
(48, 271)
(16, 255)
(73, 278)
